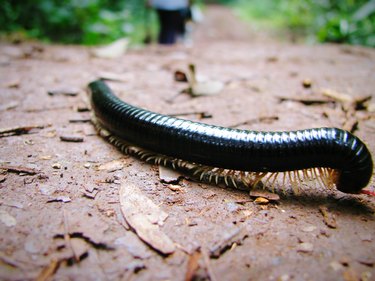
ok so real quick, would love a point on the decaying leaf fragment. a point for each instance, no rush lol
(114, 50)
(202, 88)
(145, 218)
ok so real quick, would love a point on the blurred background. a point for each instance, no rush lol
(92, 22)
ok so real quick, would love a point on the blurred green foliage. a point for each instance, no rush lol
(340, 21)
(101, 21)
(78, 21)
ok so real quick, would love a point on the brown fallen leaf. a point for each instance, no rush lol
(328, 217)
(264, 194)
(193, 265)
(19, 169)
(236, 236)
(168, 175)
(202, 88)
(21, 130)
(261, 201)
(306, 100)
(111, 51)
(145, 218)
(340, 97)
(112, 166)
(175, 188)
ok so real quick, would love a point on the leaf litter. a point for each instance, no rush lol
(145, 218)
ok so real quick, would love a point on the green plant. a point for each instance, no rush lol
(75, 21)
(340, 21)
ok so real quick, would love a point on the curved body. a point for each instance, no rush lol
(235, 149)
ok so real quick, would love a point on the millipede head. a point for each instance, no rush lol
(350, 182)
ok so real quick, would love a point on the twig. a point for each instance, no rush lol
(306, 100)
(193, 265)
(67, 237)
(83, 120)
(19, 169)
(71, 138)
(20, 130)
(206, 259)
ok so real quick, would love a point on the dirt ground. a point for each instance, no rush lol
(60, 208)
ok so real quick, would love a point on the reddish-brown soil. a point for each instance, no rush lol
(67, 218)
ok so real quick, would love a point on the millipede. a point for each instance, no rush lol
(233, 157)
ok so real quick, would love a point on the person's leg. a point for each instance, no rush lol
(183, 17)
(167, 33)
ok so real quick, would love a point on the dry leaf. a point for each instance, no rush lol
(265, 194)
(261, 201)
(328, 217)
(202, 88)
(207, 88)
(337, 96)
(145, 217)
(112, 166)
(305, 247)
(168, 175)
(235, 236)
(113, 50)
(192, 266)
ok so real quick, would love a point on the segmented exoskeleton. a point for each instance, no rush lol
(238, 158)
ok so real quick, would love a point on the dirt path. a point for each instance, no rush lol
(60, 206)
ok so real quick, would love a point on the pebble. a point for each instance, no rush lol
(305, 247)
(309, 228)
(7, 219)
(56, 165)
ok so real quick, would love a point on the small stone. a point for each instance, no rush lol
(56, 165)
(112, 166)
(307, 83)
(261, 201)
(284, 277)
(87, 165)
(47, 189)
(309, 228)
(64, 199)
(175, 187)
(45, 157)
(336, 266)
(305, 247)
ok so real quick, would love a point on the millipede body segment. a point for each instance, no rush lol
(261, 153)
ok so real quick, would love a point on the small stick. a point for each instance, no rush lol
(21, 130)
(19, 169)
(71, 138)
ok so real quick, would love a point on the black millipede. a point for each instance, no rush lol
(334, 157)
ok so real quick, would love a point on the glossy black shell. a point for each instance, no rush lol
(233, 148)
